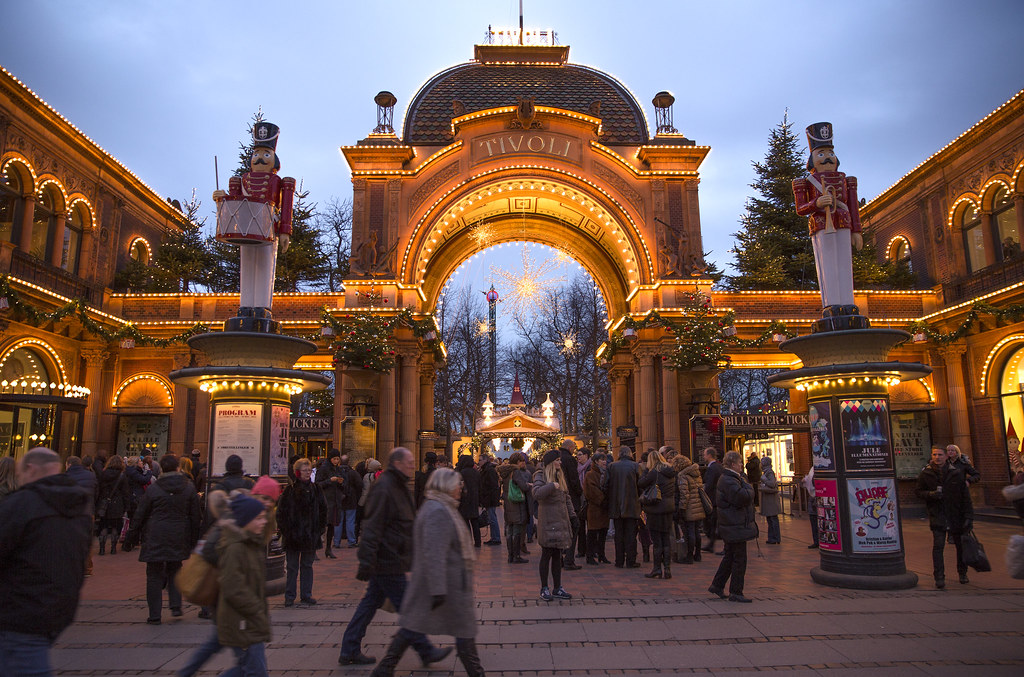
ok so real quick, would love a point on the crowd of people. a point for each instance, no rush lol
(427, 521)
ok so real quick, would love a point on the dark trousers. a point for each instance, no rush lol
(692, 535)
(514, 536)
(299, 569)
(662, 542)
(569, 554)
(160, 575)
(625, 540)
(813, 514)
(378, 589)
(551, 558)
(474, 528)
(734, 565)
(581, 539)
(596, 539)
(711, 528)
(938, 544)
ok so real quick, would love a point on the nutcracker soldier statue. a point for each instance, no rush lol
(256, 214)
(828, 198)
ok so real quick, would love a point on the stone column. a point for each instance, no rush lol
(648, 398)
(427, 378)
(409, 397)
(670, 406)
(617, 377)
(57, 251)
(957, 391)
(94, 358)
(386, 418)
(339, 405)
(28, 213)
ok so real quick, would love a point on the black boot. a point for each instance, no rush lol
(647, 553)
(656, 572)
(666, 569)
(386, 666)
(467, 653)
(103, 545)
(113, 544)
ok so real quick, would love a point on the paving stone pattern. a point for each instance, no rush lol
(619, 623)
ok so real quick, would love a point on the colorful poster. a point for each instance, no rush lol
(279, 424)
(237, 429)
(865, 434)
(819, 417)
(911, 443)
(874, 525)
(826, 495)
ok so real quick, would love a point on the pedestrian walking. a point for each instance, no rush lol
(243, 619)
(439, 599)
(736, 525)
(490, 497)
(331, 478)
(812, 507)
(956, 503)
(169, 518)
(385, 555)
(595, 484)
(85, 478)
(45, 534)
(689, 508)
(624, 506)
(554, 523)
(112, 501)
(712, 473)
(469, 504)
(771, 502)
(929, 490)
(301, 517)
(659, 512)
(515, 493)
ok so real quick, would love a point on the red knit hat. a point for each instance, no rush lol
(267, 486)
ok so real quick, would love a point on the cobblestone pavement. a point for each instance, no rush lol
(619, 623)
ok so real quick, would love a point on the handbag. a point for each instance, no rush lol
(102, 507)
(198, 580)
(705, 501)
(974, 552)
(515, 494)
(651, 495)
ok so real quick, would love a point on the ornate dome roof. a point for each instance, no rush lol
(484, 83)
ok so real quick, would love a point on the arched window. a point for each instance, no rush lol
(11, 203)
(974, 238)
(44, 223)
(1004, 216)
(899, 251)
(78, 218)
(139, 251)
(1011, 391)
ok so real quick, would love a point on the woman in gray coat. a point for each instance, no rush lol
(554, 523)
(771, 502)
(439, 599)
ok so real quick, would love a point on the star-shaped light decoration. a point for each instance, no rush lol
(524, 291)
(569, 343)
(482, 234)
(482, 327)
(563, 255)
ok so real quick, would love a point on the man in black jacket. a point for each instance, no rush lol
(385, 556)
(624, 506)
(736, 526)
(929, 489)
(85, 478)
(44, 541)
(711, 475)
(571, 472)
(490, 497)
(469, 504)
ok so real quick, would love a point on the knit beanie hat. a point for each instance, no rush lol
(551, 457)
(373, 465)
(245, 509)
(267, 486)
(233, 463)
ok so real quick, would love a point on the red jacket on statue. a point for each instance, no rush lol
(268, 188)
(846, 213)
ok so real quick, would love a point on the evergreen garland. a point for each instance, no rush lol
(365, 340)
(1012, 313)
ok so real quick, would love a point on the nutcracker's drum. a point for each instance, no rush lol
(245, 222)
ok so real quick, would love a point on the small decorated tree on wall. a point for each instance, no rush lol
(700, 336)
(365, 342)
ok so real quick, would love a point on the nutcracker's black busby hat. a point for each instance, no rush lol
(819, 135)
(264, 135)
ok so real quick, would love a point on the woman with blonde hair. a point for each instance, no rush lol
(439, 603)
(554, 523)
(659, 509)
(689, 509)
(7, 479)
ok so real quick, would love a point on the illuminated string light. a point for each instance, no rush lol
(524, 291)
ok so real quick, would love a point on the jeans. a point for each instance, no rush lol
(251, 661)
(22, 654)
(377, 590)
(492, 518)
(160, 575)
(348, 522)
(774, 532)
(938, 543)
(299, 565)
(734, 565)
(205, 652)
(625, 540)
